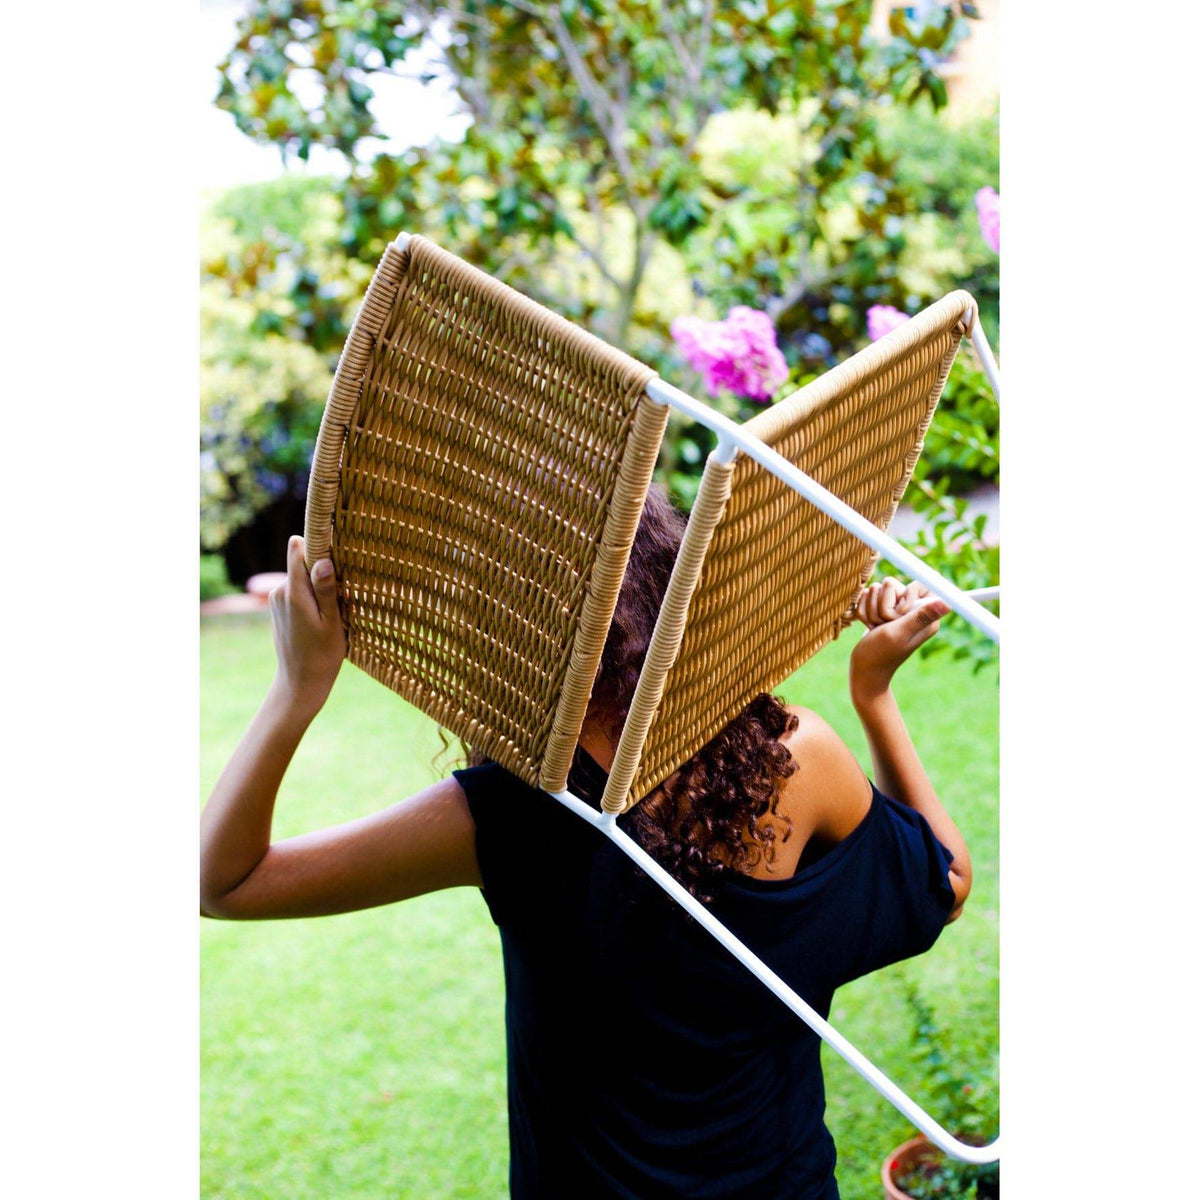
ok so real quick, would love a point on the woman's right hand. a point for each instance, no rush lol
(422, 844)
(310, 643)
(898, 620)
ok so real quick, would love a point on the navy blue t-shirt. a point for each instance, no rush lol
(643, 1060)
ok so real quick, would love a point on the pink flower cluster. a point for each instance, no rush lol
(739, 354)
(987, 205)
(882, 319)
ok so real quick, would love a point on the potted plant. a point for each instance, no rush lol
(960, 1100)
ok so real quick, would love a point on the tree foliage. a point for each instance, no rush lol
(585, 116)
(623, 162)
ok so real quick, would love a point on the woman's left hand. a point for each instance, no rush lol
(310, 643)
(898, 620)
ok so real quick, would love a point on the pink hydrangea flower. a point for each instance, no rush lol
(739, 354)
(882, 319)
(987, 205)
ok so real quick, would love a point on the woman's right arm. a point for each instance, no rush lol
(898, 620)
(422, 844)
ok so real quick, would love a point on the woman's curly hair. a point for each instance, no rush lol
(718, 813)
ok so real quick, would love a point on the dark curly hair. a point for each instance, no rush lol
(718, 813)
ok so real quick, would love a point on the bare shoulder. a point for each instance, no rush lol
(828, 793)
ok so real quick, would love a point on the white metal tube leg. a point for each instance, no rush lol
(607, 824)
(986, 359)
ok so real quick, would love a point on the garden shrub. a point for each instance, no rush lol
(214, 579)
(959, 1085)
(260, 407)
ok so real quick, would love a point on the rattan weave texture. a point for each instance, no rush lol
(478, 478)
(779, 579)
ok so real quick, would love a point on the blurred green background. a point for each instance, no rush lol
(623, 163)
(363, 1055)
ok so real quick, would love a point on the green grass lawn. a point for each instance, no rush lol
(363, 1055)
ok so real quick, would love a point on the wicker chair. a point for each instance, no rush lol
(478, 478)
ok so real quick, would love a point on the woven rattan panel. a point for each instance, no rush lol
(484, 468)
(780, 578)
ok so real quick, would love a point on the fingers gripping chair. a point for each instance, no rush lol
(478, 478)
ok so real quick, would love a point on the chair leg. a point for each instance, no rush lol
(986, 359)
(606, 823)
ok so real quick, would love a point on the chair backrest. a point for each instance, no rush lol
(478, 478)
(765, 579)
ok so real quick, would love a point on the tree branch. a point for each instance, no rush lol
(610, 118)
(592, 254)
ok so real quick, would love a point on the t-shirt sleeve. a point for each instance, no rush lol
(899, 885)
(499, 848)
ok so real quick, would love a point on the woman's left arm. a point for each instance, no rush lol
(899, 620)
(419, 845)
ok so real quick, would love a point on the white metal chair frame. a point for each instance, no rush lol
(732, 439)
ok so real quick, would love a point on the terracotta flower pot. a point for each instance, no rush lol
(921, 1150)
(916, 1150)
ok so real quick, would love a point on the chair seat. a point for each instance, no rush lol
(777, 579)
